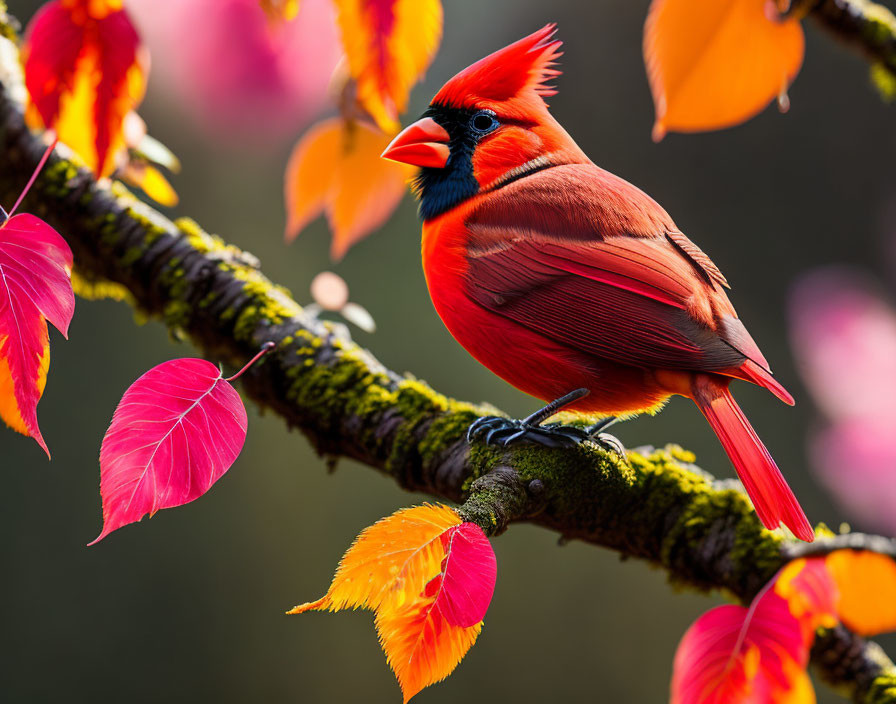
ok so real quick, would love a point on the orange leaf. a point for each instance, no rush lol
(85, 70)
(716, 64)
(336, 169)
(423, 572)
(867, 584)
(10, 409)
(390, 563)
(421, 646)
(388, 44)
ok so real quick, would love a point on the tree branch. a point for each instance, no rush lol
(658, 506)
(868, 27)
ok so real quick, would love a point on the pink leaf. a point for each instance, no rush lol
(240, 70)
(734, 655)
(35, 286)
(843, 335)
(178, 428)
(44, 261)
(469, 571)
(855, 459)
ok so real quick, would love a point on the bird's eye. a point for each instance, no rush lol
(484, 122)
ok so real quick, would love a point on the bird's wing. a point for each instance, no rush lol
(698, 258)
(622, 299)
(586, 259)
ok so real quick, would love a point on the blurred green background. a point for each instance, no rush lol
(189, 606)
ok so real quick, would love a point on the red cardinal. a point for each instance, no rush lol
(558, 275)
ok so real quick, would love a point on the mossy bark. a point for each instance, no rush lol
(868, 27)
(656, 506)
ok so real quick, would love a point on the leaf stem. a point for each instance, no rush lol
(40, 165)
(265, 348)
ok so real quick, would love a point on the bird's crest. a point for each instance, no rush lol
(520, 69)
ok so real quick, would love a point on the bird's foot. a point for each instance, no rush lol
(495, 430)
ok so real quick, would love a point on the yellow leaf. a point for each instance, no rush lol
(867, 584)
(390, 563)
(280, 10)
(389, 44)
(421, 647)
(152, 182)
(336, 169)
(715, 64)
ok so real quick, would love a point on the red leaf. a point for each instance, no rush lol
(811, 594)
(85, 70)
(469, 571)
(178, 428)
(35, 286)
(734, 655)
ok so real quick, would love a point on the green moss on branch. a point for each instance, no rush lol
(868, 27)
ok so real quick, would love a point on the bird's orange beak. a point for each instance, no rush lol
(424, 143)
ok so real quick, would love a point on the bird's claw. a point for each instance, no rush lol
(504, 432)
(495, 430)
(608, 442)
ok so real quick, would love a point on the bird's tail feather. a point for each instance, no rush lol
(763, 377)
(765, 485)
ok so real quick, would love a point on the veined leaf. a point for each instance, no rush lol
(867, 585)
(469, 571)
(390, 563)
(811, 594)
(85, 70)
(177, 429)
(388, 44)
(429, 578)
(422, 647)
(35, 286)
(716, 64)
(336, 169)
(734, 655)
